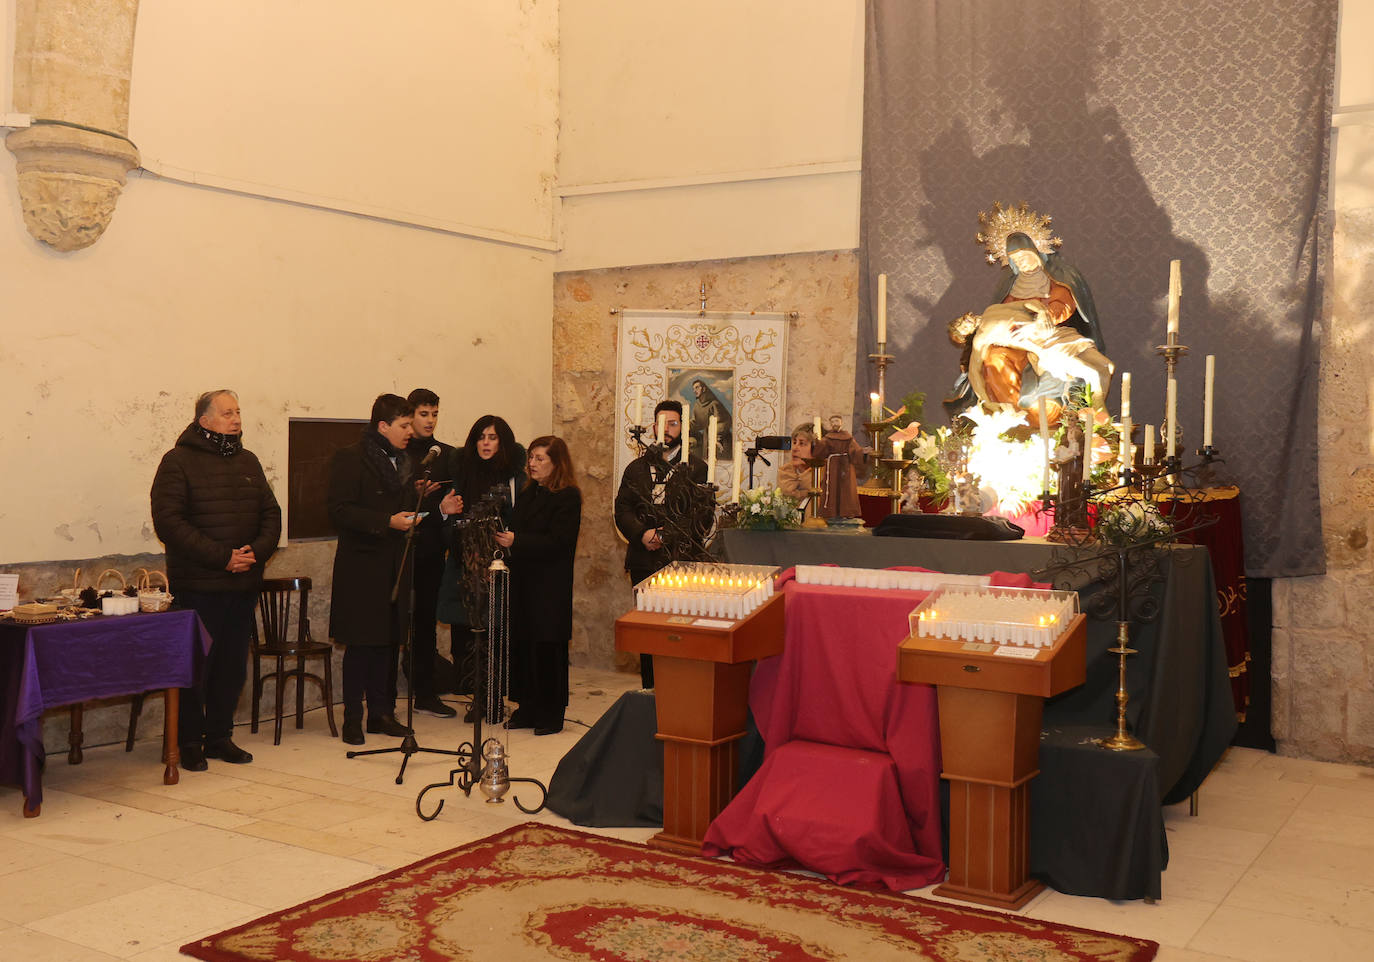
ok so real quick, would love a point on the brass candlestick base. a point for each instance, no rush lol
(1122, 741)
(898, 466)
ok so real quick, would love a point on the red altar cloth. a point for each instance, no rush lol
(849, 785)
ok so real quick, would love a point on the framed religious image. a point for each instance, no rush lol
(731, 365)
(705, 393)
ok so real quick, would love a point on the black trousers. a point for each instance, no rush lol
(429, 574)
(207, 711)
(369, 671)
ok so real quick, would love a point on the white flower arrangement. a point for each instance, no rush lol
(768, 509)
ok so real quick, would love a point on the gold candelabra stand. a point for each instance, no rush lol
(1171, 350)
(874, 430)
(1123, 740)
(814, 519)
(898, 467)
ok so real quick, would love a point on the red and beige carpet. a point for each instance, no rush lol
(537, 892)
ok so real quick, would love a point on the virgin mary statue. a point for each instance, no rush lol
(1040, 338)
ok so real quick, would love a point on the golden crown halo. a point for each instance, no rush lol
(1001, 221)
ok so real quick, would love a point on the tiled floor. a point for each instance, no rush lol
(1279, 865)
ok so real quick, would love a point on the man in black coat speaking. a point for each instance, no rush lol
(369, 487)
(215, 513)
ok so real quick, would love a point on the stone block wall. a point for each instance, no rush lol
(1323, 669)
(821, 287)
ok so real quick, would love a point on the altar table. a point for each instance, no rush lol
(842, 736)
(46, 666)
(1179, 686)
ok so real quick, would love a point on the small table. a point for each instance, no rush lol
(47, 666)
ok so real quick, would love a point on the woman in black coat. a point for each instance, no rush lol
(488, 471)
(541, 543)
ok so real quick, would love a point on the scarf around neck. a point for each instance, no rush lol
(389, 461)
(226, 444)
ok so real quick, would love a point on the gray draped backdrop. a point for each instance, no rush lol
(1195, 130)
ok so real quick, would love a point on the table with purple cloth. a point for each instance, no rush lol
(65, 663)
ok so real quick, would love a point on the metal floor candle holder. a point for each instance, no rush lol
(1125, 566)
(486, 762)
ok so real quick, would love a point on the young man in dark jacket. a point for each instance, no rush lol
(371, 504)
(430, 549)
(219, 521)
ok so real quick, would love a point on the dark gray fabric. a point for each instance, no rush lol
(1195, 130)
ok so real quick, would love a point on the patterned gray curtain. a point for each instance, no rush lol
(1195, 130)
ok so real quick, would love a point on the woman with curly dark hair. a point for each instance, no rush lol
(488, 472)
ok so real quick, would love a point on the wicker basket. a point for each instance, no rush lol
(100, 580)
(150, 596)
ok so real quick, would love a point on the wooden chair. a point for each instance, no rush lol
(272, 640)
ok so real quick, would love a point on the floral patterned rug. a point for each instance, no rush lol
(539, 892)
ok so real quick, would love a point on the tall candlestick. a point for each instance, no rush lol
(816, 426)
(1045, 440)
(1087, 444)
(882, 310)
(1207, 401)
(1127, 452)
(1126, 394)
(662, 418)
(639, 404)
(686, 434)
(1171, 406)
(711, 428)
(875, 407)
(1149, 444)
(738, 467)
(1175, 292)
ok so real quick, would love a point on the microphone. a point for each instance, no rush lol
(434, 452)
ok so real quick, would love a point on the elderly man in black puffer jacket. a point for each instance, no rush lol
(215, 513)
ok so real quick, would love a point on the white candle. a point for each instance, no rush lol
(686, 434)
(1127, 453)
(1045, 440)
(662, 418)
(875, 407)
(1171, 406)
(816, 426)
(1149, 444)
(1087, 444)
(639, 403)
(882, 310)
(1207, 401)
(897, 450)
(1175, 292)
(711, 431)
(1126, 394)
(739, 464)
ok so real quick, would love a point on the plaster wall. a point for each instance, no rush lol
(426, 111)
(710, 130)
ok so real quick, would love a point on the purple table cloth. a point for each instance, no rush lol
(45, 666)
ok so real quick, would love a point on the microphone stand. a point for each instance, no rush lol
(754, 454)
(409, 746)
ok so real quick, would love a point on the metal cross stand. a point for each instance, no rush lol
(486, 762)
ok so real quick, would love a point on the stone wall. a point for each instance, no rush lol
(1323, 630)
(821, 287)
